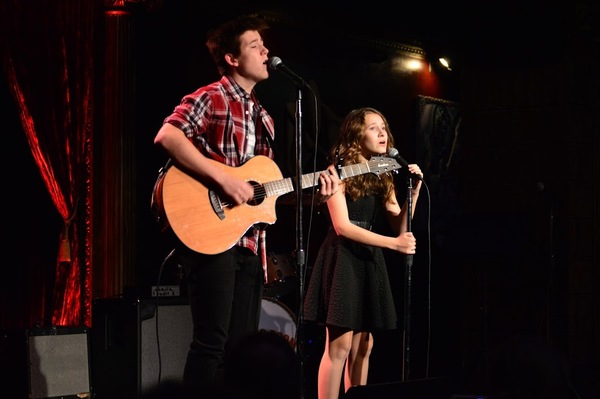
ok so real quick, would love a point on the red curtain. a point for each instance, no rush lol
(47, 57)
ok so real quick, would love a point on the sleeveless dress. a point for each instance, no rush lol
(349, 285)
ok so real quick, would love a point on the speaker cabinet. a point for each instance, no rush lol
(127, 356)
(46, 363)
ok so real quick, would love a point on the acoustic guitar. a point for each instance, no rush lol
(208, 224)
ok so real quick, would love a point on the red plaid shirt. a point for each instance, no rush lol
(217, 118)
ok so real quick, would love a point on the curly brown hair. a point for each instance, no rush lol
(225, 39)
(348, 149)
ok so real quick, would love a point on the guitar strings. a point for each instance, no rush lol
(259, 194)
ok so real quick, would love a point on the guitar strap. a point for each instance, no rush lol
(271, 144)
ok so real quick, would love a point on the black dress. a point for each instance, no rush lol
(349, 284)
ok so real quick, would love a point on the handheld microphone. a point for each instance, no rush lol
(276, 64)
(393, 153)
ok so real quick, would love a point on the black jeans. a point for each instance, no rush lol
(225, 293)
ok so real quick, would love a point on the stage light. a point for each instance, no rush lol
(445, 63)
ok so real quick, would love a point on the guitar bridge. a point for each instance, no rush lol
(216, 204)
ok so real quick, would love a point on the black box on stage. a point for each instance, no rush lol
(48, 362)
(430, 388)
(127, 359)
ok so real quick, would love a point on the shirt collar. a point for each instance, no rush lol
(234, 89)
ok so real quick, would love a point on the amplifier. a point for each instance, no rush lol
(46, 362)
(128, 358)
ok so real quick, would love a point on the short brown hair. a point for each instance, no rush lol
(226, 38)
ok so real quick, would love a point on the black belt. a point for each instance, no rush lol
(362, 223)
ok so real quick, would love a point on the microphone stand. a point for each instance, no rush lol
(275, 63)
(550, 283)
(300, 256)
(407, 290)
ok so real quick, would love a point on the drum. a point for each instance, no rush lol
(275, 316)
(279, 268)
(282, 283)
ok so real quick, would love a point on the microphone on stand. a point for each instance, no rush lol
(406, 336)
(393, 153)
(276, 64)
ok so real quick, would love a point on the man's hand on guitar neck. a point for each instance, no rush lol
(329, 184)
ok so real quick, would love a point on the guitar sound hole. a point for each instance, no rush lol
(259, 194)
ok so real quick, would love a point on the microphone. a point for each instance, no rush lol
(393, 153)
(276, 64)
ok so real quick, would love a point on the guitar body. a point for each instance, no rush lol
(188, 206)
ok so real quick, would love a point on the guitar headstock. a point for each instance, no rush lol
(380, 164)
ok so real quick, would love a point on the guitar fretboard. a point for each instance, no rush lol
(375, 165)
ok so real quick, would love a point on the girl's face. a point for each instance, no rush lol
(375, 136)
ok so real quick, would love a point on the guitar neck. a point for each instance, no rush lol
(286, 185)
